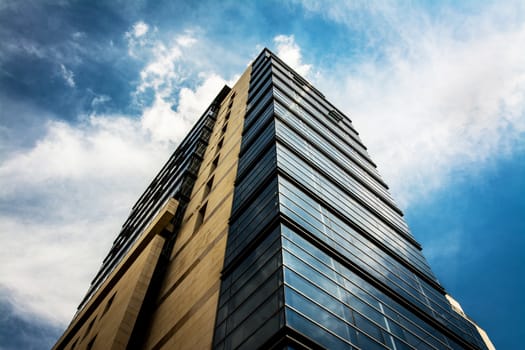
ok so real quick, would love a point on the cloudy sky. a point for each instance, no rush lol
(95, 95)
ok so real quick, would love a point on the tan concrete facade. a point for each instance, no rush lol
(183, 315)
(107, 320)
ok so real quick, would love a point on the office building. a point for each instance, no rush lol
(269, 227)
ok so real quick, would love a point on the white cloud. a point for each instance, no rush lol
(62, 208)
(177, 61)
(67, 75)
(139, 29)
(137, 38)
(170, 67)
(78, 35)
(187, 39)
(62, 201)
(168, 63)
(166, 124)
(65, 197)
(163, 72)
(35, 285)
(100, 100)
(290, 53)
(437, 104)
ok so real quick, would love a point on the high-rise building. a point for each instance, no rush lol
(269, 227)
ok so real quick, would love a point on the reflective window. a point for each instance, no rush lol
(330, 171)
(366, 223)
(251, 297)
(372, 313)
(315, 331)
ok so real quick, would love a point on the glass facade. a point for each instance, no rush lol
(318, 254)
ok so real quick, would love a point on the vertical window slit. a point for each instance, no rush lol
(200, 216)
(208, 187)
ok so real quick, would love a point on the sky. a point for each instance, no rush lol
(95, 95)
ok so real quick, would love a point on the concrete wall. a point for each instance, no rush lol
(107, 320)
(185, 314)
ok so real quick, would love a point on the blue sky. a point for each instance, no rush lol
(95, 95)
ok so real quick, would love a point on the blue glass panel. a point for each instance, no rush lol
(315, 331)
(355, 291)
(316, 313)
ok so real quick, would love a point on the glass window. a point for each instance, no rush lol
(368, 327)
(207, 188)
(258, 275)
(315, 331)
(108, 304)
(250, 220)
(308, 289)
(219, 145)
(260, 292)
(365, 342)
(200, 216)
(262, 334)
(372, 307)
(214, 164)
(264, 251)
(257, 318)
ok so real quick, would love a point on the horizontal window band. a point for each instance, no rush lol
(423, 315)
